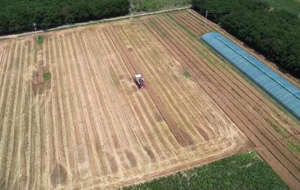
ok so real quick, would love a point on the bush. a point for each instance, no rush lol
(271, 32)
(18, 15)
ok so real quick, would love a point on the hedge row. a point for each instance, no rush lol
(273, 32)
(19, 15)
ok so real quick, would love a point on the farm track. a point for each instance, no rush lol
(90, 127)
(294, 159)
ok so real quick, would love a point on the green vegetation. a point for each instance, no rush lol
(294, 146)
(155, 5)
(40, 40)
(47, 76)
(279, 130)
(19, 15)
(241, 172)
(186, 74)
(270, 30)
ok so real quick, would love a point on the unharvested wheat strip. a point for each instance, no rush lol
(117, 57)
(101, 162)
(112, 109)
(168, 100)
(133, 137)
(11, 171)
(82, 151)
(76, 115)
(8, 109)
(180, 86)
(283, 149)
(281, 157)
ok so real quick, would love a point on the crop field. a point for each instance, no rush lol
(72, 118)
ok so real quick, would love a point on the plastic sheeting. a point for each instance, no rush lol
(279, 88)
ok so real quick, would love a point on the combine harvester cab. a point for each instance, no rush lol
(139, 81)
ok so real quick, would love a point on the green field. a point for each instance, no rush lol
(155, 5)
(239, 172)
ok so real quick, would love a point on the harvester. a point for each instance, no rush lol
(139, 81)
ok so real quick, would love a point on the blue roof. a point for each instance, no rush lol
(279, 88)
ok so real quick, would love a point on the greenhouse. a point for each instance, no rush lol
(276, 86)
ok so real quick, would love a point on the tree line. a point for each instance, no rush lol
(273, 32)
(18, 16)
